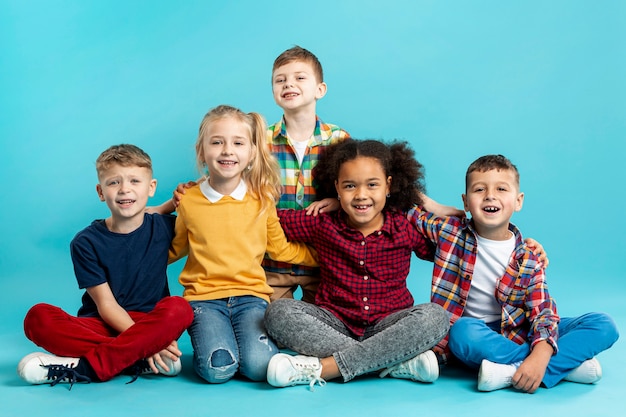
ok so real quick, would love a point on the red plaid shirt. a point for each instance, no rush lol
(528, 311)
(363, 279)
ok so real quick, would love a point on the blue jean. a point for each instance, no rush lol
(228, 336)
(580, 338)
(314, 331)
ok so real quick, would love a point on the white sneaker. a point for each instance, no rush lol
(44, 368)
(174, 367)
(143, 368)
(422, 368)
(588, 372)
(285, 370)
(493, 376)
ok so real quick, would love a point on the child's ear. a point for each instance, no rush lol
(153, 186)
(465, 206)
(321, 90)
(519, 201)
(99, 191)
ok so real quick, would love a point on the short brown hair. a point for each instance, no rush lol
(124, 155)
(489, 162)
(298, 53)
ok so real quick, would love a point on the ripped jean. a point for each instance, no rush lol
(313, 331)
(228, 336)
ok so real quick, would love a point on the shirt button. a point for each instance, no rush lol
(366, 307)
(366, 277)
(362, 243)
(364, 298)
(380, 233)
(361, 262)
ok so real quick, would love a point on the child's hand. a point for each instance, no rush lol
(537, 249)
(180, 191)
(323, 206)
(530, 373)
(172, 352)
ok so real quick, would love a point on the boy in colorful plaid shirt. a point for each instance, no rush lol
(503, 320)
(297, 141)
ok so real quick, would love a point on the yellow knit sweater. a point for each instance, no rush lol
(225, 243)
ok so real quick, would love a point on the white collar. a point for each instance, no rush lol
(213, 196)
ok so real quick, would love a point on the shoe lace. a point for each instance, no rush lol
(58, 373)
(136, 370)
(309, 374)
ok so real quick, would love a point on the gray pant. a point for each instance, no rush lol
(314, 331)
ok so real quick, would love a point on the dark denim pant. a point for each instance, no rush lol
(313, 331)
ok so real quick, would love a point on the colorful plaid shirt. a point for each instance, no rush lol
(528, 312)
(363, 279)
(296, 178)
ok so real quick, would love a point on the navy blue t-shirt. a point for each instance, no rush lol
(134, 264)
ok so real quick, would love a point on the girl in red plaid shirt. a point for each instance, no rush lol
(363, 319)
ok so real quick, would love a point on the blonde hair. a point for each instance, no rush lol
(124, 155)
(263, 177)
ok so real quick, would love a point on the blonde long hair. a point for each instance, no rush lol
(263, 177)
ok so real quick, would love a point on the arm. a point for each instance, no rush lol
(170, 205)
(115, 316)
(280, 249)
(109, 310)
(439, 209)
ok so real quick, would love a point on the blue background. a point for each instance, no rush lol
(542, 82)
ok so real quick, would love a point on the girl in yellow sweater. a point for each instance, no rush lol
(225, 225)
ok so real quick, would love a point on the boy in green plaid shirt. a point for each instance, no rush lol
(297, 142)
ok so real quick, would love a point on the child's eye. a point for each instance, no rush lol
(135, 181)
(349, 186)
(301, 77)
(279, 80)
(114, 182)
(372, 185)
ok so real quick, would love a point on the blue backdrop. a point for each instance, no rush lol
(540, 82)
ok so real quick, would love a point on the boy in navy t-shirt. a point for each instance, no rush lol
(128, 322)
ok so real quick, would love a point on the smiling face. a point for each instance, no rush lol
(295, 86)
(126, 190)
(227, 151)
(492, 196)
(362, 187)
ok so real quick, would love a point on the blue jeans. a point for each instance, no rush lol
(227, 336)
(580, 338)
(314, 331)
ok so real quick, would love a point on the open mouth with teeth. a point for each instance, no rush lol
(290, 95)
(491, 209)
(125, 202)
(362, 207)
(227, 163)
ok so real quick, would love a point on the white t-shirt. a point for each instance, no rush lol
(491, 262)
(300, 148)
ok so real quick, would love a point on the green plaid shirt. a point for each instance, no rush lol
(296, 179)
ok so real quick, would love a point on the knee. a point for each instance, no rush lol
(178, 310)
(36, 319)
(606, 325)
(462, 332)
(275, 314)
(439, 315)
(219, 367)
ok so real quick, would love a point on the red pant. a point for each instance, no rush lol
(107, 351)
